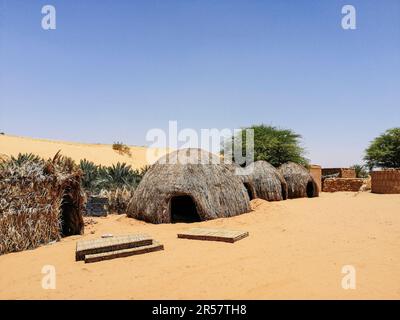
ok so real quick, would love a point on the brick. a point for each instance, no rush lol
(343, 184)
(386, 181)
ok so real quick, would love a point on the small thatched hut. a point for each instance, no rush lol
(40, 201)
(188, 185)
(245, 177)
(299, 181)
(268, 182)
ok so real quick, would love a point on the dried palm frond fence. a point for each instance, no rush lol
(118, 199)
(40, 201)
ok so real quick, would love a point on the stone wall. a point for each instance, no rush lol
(340, 172)
(316, 173)
(343, 184)
(386, 181)
(97, 206)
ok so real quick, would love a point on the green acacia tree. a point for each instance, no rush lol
(274, 145)
(384, 151)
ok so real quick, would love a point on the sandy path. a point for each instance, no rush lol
(97, 153)
(296, 249)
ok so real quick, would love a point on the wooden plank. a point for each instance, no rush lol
(155, 246)
(110, 244)
(213, 234)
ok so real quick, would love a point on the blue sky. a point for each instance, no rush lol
(112, 70)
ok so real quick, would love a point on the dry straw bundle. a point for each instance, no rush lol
(40, 201)
(118, 199)
(192, 176)
(299, 181)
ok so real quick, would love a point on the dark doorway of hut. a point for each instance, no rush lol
(310, 189)
(249, 191)
(284, 193)
(183, 209)
(67, 212)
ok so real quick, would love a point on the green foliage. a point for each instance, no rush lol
(274, 145)
(120, 175)
(121, 148)
(90, 174)
(384, 151)
(361, 171)
(25, 157)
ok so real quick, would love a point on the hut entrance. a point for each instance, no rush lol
(284, 195)
(249, 190)
(310, 189)
(183, 209)
(67, 212)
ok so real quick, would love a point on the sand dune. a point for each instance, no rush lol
(296, 249)
(98, 153)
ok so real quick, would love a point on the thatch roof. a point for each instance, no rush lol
(193, 173)
(40, 201)
(299, 181)
(245, 177)
(268, 181)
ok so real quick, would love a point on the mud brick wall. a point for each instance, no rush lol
(342, 184)
(316, 173)
(342, 172)
(387, 181)
(97, 206)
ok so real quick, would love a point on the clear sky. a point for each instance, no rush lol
(112, 70)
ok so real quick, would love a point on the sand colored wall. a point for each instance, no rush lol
(316, 173)
(343, 172)
(343, 184)
(387, 181)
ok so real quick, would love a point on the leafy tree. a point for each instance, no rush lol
(274, 145)
(384, 151)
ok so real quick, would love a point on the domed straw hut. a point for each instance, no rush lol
(188, 185)
(268, 182)
(245, 178)
(40, 201)
(299, 181)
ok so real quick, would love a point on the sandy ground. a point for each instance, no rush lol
(97, 153)
(296, 249)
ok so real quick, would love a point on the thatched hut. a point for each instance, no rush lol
(299, 181)
(268, 182)
(40, 201)
(188, 185)
(245, 178)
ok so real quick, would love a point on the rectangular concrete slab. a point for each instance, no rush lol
(213, 234)
(89, 258)
(95, 246)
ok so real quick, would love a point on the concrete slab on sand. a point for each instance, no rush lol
(213, 234)
(155, 246)
(96, 246)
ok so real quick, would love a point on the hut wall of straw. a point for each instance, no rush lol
(299, 181)
(40, 201)
(215, 191)
(269, 183)
(245, 177)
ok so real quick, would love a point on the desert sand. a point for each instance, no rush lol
(296, 250)
(97, 153)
